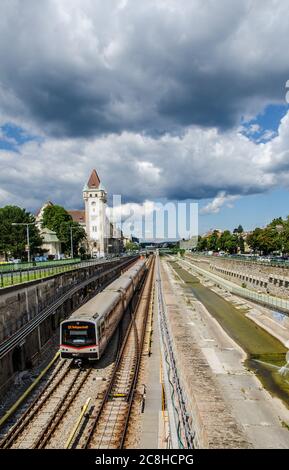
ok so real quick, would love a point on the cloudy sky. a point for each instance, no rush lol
(167, 99)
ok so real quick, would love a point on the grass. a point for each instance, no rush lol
(19, 278)
(39, 264)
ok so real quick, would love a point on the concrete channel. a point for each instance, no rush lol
(265, 354)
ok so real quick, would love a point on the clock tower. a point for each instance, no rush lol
(95, 198)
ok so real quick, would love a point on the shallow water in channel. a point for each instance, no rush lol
(265, 354)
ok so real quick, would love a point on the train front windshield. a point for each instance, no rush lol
(78, 334)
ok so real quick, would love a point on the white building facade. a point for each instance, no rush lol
(97, 224)
(102, 237)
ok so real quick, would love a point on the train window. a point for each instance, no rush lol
(78, 334)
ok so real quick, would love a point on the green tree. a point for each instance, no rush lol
(233, 244)
(277, 221)
(239, 229)
(269, 240)
(131, 246)
(266, 240)
(13, 239)
(253, 240)
(213, 241)
(56, 218)
(228, 242)
(78, 236)
(224, 240)
(241, 244)
(202, 244)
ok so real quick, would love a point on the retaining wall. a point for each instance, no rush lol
(265, 279)
(212, 421)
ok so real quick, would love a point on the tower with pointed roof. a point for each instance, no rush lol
(95, 198)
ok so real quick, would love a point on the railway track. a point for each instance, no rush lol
(51, 415)
(110, 423)
(16, 434)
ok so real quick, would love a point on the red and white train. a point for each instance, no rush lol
(88, 330)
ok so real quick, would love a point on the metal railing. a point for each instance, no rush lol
(10, 338)
(8, 267)
(277, 303)
(180, 423)
(242, 259)
(34, 273)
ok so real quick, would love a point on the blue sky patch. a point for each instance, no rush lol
(264, 126)
(12, 136)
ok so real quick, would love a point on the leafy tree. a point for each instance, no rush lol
(275, 222)
(213, 241)
(228, 242)
(13, 239)
(239, 229)
(253, 239)
(78, 235)
(131, 246)
(202, 244)
(266, 240)
(56, 218)
(269, 240)
(241, 244)
(224, 240)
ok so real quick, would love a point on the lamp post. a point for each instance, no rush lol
(71, 240)
(71, 243)
(27, 236)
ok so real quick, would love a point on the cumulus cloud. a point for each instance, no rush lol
(85, 68)
(151, 96)
(219, 201)
(201, 163)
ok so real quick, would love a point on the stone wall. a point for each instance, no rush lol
(266, 279)
(211, 418)
(20, 304)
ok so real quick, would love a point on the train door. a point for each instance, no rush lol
(101, 334)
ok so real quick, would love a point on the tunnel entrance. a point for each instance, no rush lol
(17, 359)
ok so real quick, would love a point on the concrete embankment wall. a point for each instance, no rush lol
(20, 304)
(265, 279)
(214, 425)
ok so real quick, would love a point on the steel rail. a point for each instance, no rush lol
(34, 408)
(117, 366)
(61, 410)
(20, 335)
(139, 358)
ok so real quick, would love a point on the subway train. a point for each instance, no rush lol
(88, 330)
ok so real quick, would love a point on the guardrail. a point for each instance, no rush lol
(34, 273)
(7, 267)
(182, 436)
(276, 303)
(18, 336)
(277, 264)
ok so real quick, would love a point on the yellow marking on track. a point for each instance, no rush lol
(77, 424)
(27, 392)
